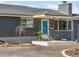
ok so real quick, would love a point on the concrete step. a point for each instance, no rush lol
(52, 43)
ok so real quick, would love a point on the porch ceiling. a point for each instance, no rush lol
(60, 17)
(53, 17)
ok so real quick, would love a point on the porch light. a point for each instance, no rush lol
(47, 17)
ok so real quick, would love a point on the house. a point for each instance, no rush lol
(54, 24)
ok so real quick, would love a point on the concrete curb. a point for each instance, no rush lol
(63, 53)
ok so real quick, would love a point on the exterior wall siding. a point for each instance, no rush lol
(32, 31)
(76, 22)
(9, 24)
(69, 35)
(58, 35)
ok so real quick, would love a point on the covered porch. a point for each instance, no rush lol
(56, 27)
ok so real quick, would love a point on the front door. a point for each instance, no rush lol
(45, 28)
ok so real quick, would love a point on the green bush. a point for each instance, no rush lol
(39, 33)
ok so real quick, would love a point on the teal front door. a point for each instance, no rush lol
(45, 28)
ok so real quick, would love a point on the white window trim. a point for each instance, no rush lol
(58, 25)
(72, 25)
(26, 22)
(67, 26)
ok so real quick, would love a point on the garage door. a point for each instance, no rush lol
(8, 25)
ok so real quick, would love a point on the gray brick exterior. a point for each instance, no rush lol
(69, 35)
(59, 35)
(76, 22)
(66, 8)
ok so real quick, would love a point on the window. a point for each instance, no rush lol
(23, 22)
(55, 24)
(62, 25)
(69, 25)
(27, 22)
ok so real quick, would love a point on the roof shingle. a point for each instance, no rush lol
(24, 10)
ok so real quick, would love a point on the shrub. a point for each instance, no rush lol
(39, 34)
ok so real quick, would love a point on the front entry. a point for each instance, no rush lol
(44, 28)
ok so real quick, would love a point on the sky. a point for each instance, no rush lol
(44, 4)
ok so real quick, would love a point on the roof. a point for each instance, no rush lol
(75, 18)
(75, 14)
(6, 9)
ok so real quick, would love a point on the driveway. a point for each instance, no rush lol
(14, 40)
(36, 51)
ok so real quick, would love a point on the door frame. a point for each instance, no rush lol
(45, 36)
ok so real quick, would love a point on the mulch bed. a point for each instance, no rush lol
(72, 52)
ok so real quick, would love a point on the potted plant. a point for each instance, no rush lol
(39, 34)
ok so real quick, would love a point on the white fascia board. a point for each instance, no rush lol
(38, 16)
(76, 18)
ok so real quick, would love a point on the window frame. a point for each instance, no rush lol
(26, 18)
(67, 26)
(63, 25)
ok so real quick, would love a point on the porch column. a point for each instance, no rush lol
(47, 18)
(72, 33)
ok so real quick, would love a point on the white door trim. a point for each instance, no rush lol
(45, 36)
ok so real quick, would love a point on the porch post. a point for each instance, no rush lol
(48, 30)
(72, 33)
(47, 18)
